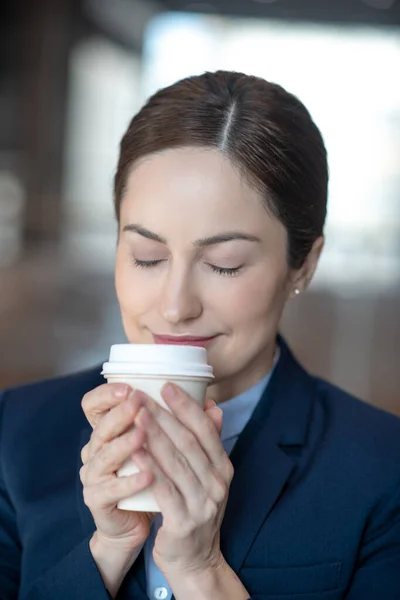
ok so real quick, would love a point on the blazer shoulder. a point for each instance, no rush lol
(53, 385)
(361, 429)
(25, 401)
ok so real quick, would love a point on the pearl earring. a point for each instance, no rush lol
(297, 291)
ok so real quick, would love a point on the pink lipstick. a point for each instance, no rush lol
(184, 340)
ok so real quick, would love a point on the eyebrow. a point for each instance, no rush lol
(226, 237)
(145, 233)
(220, 238)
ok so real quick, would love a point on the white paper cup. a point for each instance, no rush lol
(147, 368)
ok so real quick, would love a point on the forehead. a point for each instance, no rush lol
(197, 190)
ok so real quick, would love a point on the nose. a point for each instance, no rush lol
(180, 301)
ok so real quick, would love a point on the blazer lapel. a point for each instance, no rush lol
(260, 456)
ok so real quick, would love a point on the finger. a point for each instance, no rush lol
(102, 495)
(179, 453)
(216, 415)
(170, 501)
(193, 418)
(115, 422)
(113, 455)
(208, 403)
(176, 465)
(85, 454)
(98, 401)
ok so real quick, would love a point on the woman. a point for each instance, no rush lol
(289, 488)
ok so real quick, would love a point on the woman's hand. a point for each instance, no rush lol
(111, 410)
(192, 475)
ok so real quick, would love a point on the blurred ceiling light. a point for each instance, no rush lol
(380, 4)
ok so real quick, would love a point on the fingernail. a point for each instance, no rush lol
(218, 408)
(120, 390)
(214, 404)
(169, 391)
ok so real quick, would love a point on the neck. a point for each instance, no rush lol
(225, 389)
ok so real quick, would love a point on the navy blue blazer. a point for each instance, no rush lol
(313, 510)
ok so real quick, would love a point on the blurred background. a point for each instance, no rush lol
(73, 73)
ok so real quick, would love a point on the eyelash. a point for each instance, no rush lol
(146, 264)
(221, 271)
(143, 264)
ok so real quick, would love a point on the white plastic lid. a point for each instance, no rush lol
(158, 359)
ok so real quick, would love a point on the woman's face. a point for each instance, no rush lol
(199, 256)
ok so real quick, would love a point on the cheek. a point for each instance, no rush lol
(261, 296)
(133, 296)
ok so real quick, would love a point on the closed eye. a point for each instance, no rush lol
(145, 264)
(225, 270)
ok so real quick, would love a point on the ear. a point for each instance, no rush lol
(300, 278)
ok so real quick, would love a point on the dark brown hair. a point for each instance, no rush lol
(265, 131)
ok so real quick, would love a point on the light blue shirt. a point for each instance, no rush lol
(236, 414)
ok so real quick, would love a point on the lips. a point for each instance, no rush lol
(183, 340)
